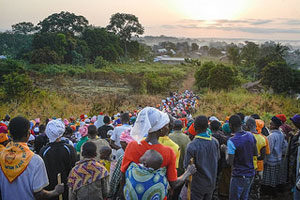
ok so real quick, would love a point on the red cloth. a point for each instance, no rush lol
(191, 130)
(282, 117)
(184, 122)
(134, 151)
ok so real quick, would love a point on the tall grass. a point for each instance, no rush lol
(226, 103)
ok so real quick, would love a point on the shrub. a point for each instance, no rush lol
(278, 76)
(16, 85)
(156, 84)
(202, 74)
(8, 66)
(46, 56)
(222, 77)
(100, 62)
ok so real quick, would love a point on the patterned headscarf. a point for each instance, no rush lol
(259, 125)
(125, 136)
(55, 129)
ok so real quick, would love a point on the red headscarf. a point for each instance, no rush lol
(282, 117)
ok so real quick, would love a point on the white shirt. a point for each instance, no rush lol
(32, 180)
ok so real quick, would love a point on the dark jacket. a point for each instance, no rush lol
(59, 157)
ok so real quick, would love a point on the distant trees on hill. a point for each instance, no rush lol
(68, 38)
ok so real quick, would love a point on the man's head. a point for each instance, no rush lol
(177, 125)
(106, 120)
(275, 123)
(242, 116)
(151, 159)
(255, 116)
(19, 129)
(125, 118)
(89, 150)
(215, 125)
(105, 152)
(251, 124)
(68, 131)
(296, 120)
(201, 124)
(235, 123)
(92, 131)
(7, 117)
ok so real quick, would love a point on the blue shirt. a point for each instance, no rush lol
(243, 146)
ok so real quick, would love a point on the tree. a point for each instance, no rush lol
(278, 76)
(45, 56)
(202, 74)
(195, 47)
(250, 53)
(125, 26)
(23, 28)
(16, 85)
(63, 22)
(214, 52)
(222, 77)
(233, 54)
(102, 43)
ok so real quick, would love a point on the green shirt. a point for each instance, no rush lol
(81, 142)
(182, 141)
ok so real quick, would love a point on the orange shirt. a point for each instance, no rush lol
(134, 151)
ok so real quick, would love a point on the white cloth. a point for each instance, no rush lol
(116, 133)
(33, 179)
(148, 120)
(213, 118)
(99, 121)
(55, 129)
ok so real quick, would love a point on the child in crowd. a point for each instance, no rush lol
(105, 157)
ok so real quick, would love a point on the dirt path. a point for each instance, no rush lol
(189, 81)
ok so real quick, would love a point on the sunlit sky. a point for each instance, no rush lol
(256, 19)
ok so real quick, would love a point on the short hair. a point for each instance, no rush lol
(241, 115)
(89, 150)
(106, 119)
(215, 125)
(105, 149)
(155, 157)
(68, 131)
(178, 124)
(201, 123)
(235, 121)
(92, 130)
(125, 118)
(251, 123)
(42, 128)
(255, 116)
(19, 127)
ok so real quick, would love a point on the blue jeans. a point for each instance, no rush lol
(240, 188)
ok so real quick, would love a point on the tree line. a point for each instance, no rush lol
(67, 38)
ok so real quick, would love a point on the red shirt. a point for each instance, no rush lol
(134, 151)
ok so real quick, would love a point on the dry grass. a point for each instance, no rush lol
(223, 103)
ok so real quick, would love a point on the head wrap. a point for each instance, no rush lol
(55, 129)
(213, 118)
(73, 127)
(83, 130)
(259, 125)
(295, 119)
(94, 118)
(66, 122)
(31, 138)
(99, 121)
(37, 120)
(3, 129)
(148, 120)
(276, 121)
(125, 136)
(282, 117)
(3, 137)
(226, 128)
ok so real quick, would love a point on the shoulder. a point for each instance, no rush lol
(36, 161)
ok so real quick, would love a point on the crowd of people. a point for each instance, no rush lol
(159, 152)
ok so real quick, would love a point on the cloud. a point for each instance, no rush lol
(293, 22)
(246, 29)
(261, 21)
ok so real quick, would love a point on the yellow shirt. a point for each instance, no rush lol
(168, 142)
(260, 143)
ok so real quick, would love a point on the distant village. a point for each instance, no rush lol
(171, 50)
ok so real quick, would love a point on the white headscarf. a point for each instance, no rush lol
(99, 121)
(148, 120)
(55, 129)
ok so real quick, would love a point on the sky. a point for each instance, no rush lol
(253, 19)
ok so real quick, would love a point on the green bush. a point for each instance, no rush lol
(45, 56)
(9, 65)
(278, 76)
(202, 74)
(222, 77)
(100, 62)
(156, 84)
(16, 85)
